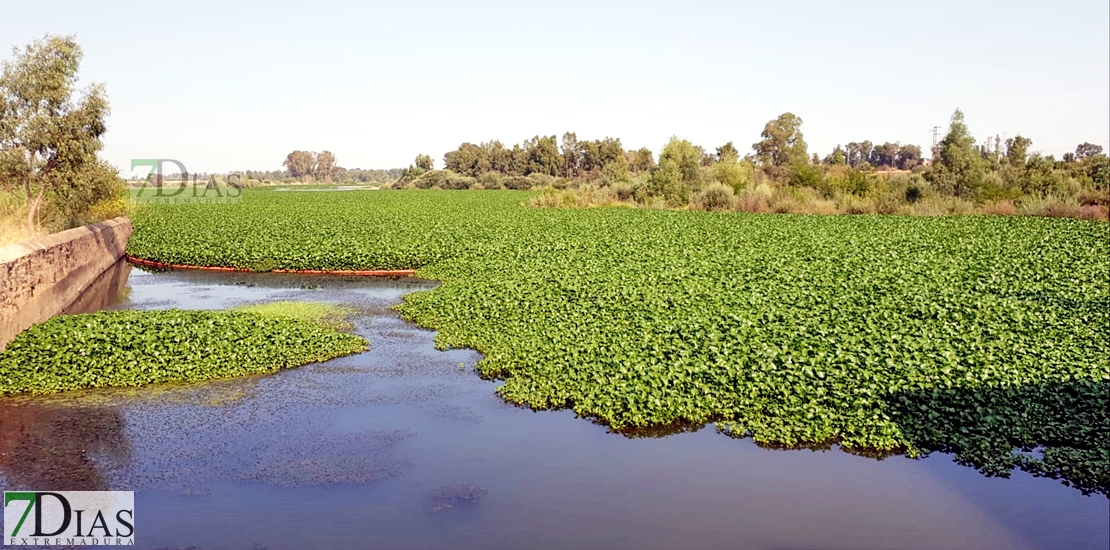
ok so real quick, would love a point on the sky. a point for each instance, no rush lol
(233, 85)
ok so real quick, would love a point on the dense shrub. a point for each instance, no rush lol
(715, 196)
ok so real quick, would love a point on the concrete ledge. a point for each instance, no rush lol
(42, 277)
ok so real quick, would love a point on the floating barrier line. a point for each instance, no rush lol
(360, 273)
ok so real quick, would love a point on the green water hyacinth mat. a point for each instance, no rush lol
(134, 348)
(888, 333)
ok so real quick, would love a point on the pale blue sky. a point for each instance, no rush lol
(235, 85)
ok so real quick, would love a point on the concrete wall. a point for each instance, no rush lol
(42, 277)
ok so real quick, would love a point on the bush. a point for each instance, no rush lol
(849, 204)
(804, 174)
(716, 196)
(1089, 197)
(1003, 207)
(912, 194)
(841, 179)
(519, 183)
(544, 180)
(887, 203)
(1050, 206)
(624, 191)
(756, 199)
(491, 180)
(735, 174)
(71, 200)
(443, 179)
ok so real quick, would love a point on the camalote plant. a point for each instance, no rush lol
(881, 333)
(134, 348)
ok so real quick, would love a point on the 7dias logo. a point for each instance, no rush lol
(69, 518)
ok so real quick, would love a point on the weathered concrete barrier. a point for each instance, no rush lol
(49, 275)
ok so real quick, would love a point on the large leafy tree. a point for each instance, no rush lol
(300, 163)
(782, 143)
(570, 154)
(959, 168)
(544, 156)
(885, 155)
(1017, 150)
(908, 156)
(837, 157)
(50, 131)
(326, 166)
(727, 152)
(678, 174)
(641, 160)
(1087, 149)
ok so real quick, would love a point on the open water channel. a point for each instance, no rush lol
(404, 446)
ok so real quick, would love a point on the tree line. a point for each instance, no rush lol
(547, 155)
(994, 171)
(309, 166)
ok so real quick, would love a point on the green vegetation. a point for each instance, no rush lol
(332, 315)
(781, 176)
(133, 348)
(976, 335)
(50, 177)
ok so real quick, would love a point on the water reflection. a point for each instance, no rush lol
(1059, 430)
(63, 448)
(107, 289)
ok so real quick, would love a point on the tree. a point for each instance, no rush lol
(324, 166)
(517, 161)
(782, 143)
(424, 162)
(885, 155)
(909, 156)
(300, 163)
(570, 154)
(642, 160)
(49, 138)
(859, 153)
(959, 167)
(727, 152)
(500, 158)
(1086, 149)
(734, 173)
(678, 173)
(837, 157)
(1017, 149)
(616, 169)
(469, 160)
(543, 156)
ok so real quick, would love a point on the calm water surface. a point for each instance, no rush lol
(405, 447)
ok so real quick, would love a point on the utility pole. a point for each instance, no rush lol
(935, 151)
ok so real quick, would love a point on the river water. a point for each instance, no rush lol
(405, 447)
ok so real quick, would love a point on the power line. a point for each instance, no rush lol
(1069, 121)
(1099, 123)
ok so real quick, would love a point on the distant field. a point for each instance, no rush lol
(978, 335)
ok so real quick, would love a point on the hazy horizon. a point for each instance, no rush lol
(229, 87)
